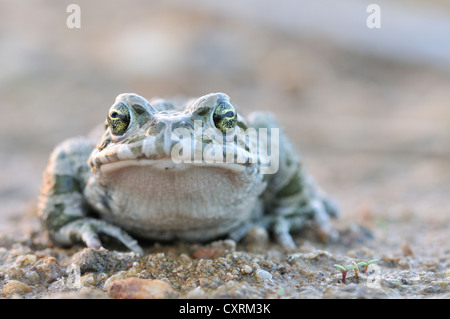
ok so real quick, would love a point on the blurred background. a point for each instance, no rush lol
(368, 108)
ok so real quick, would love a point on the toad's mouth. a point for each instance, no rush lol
(149, 167)
(174, 154)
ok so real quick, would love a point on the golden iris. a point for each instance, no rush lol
(224, 116)
(119, 118)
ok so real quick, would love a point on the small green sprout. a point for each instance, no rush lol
(344, 270)
(356, 269)
(356, 266)
(365, 264)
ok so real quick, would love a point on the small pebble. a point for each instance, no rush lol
(262, 275)
(118, 276)
(49, 269)
(94, 260)
(197, 293)
(25, 260)
(32, 277)
(136, 288)
(246, 270)
(88, 280)
(14, 287)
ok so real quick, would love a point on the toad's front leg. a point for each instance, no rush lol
(292, 197)
(61, 203)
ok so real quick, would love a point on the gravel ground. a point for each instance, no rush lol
(374, 131)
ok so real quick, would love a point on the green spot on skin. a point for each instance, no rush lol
(136, 150)
(204, 111)
(242, 125)
(155, 129)
(104, 143)
(136, 139)
(293, 187)
(64, 184)
(57, 217)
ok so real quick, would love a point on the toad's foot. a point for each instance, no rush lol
(322, 211)
(88, 229)
(319, 211)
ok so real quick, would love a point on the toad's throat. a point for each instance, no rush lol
(178, 197)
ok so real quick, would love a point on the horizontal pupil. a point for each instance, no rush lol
(229, 114)
(116, 115)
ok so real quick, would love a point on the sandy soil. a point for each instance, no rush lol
(373, 131)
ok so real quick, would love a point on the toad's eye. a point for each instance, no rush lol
(118, 118)
(224, 116)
